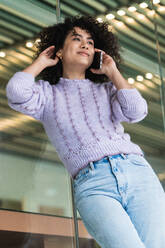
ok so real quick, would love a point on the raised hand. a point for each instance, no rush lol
(45, 57)
(108, 65)
(43, 60)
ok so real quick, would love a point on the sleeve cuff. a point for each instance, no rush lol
(128, 97)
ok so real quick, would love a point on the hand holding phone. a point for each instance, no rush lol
(97, 60)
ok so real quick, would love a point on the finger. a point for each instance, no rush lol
(51, 52)
(93, 70)
(56, 59)
(99, 50)
(49, 48)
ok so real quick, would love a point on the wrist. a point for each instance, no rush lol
(39, 64)
(119, 81)
(35, 68)
(113, 73)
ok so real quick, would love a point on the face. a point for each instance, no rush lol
(78, 49)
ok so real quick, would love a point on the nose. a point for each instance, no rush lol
(84, 44)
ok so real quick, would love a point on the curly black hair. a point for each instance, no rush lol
(56, 34)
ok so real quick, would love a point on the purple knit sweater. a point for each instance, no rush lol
(82, 119)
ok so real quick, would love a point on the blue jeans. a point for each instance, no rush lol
(121, 202)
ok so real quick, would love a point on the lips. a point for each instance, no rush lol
(84, 54)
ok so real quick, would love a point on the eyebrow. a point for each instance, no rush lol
(76, 34)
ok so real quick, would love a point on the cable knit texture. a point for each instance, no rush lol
(82, 119)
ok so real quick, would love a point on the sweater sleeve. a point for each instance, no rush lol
(127, 105)
(27, 96)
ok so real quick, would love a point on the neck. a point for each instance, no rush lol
(71, 73)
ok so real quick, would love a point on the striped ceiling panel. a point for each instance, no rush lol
(132, 21)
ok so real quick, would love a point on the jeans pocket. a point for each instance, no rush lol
(82, 176)
(138, 160)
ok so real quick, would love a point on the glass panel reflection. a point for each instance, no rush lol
(34, 186)
(33, 179)
(135, 30)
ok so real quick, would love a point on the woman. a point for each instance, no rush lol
(117, 193)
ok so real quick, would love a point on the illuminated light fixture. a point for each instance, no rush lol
(143, 5)
(130, 19)
(100, 19)
(2, 54)
(139, 78)
(156, 1)
(110, 16)
(140, 16)
(121, 12)
(132, 9)
(119, 24)
(29, 44)
(131, 80)
(149, 75)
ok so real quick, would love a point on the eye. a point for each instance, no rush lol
(90, 42)
(76, 38)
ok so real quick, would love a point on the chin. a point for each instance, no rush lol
(85, 65)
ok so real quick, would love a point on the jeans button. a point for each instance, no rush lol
(115, 169)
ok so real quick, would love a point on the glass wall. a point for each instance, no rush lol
(134, 24)
(36, 193)
(158, 16)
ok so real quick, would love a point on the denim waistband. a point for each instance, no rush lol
(104, 159)
(121, 155)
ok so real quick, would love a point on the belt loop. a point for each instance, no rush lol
(123, 155)
(92, 165)
(109, 158)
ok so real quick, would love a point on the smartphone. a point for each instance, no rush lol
(97, 60)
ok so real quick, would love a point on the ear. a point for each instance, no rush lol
(59, 53)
